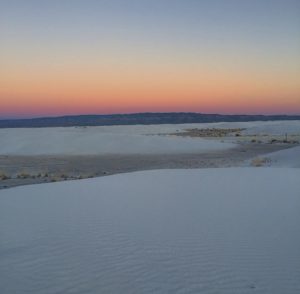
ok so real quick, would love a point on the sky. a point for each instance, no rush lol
(63, 57)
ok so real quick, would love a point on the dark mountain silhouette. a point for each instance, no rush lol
(137, 118)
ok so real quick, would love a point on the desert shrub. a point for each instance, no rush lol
(64, 176)
(257, 162)
(4, 176)
(23, 175)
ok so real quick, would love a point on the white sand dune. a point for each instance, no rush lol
(285, 158)
(273, 128)
(233, 230)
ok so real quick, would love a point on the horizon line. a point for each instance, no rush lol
(144, 112)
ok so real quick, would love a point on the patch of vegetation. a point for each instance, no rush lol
(24, 175)
(285, 141)
(258, 162)
(213, 132)
(4, 176)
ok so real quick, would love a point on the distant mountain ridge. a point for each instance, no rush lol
(137, 118)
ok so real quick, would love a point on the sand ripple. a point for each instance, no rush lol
(152, 232)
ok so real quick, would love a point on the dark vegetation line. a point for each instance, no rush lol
(137, 118)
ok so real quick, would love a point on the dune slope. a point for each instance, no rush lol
(233, 230)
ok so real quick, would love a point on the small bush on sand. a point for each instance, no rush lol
(64, 176)
(3, 176)
(257, 162)
(23, 175)
(55, 178)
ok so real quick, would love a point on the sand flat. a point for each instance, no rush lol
(93, 141)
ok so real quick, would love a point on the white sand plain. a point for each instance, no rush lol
(126, 139)
(214, 230)
(97, 140)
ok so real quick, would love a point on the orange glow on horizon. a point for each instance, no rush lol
(125, 88)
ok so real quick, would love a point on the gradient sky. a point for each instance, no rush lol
(108, 56)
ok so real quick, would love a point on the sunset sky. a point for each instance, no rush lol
(62, 57)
